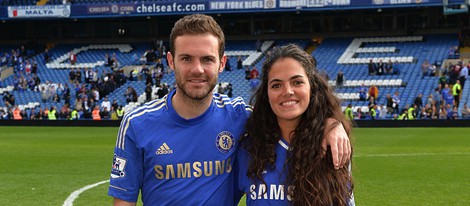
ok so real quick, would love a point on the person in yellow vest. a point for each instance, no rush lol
(74, 115)
(348, 112)
(403, 115)
(114, 115)
(17, 113)
(120, 112)
(412, 112)
(373, 112)
(51, 115)
(95, 114)
(456, 90)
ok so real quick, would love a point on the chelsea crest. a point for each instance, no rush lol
(225, 142)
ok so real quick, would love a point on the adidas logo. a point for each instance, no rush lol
(164, 149)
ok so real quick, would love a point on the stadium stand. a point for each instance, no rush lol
(349, 55)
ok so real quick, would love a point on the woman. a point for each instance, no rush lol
(286, 165)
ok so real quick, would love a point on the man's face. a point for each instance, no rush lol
(196, 64)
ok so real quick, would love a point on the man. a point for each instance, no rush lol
(362, 93)
(165, 149)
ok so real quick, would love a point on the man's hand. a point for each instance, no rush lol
(338, 141)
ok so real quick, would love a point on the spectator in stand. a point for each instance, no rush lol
(105, 114)
(447, 96)
(382, 110)
(56, 98)
(72, 75)
(161, 91)
(78, 104)
(220, 88)
(254, 83)
(362, 93)
(371, 103)
(135, 59)
(229, 90)
(425, 67)
(114, 105)
(78, 75)
(339, 79)
(373, 92)
(463, 75)
(380, 68)
(148, 92)
(432, 70)
(34, 67)
(419, 101)
(359, 114)
(456, 90)
(438, 96)
(32, 114)
(371, 68)
(247, 73)
(47, 57)
(228, 66)
(465, 111)
(434, 112)
(254, 73)
(239, 63)
(389, 67)
(106, 104)
(426, 112)
(455, 112)
(430, 100)
(396, 103)
(442, 112)
(115, 64)
(160, 67)
(64, 112)
(258, 45)
(448, 109)
(454, 73)
(72, 58)
(131, 95)
(28, 67)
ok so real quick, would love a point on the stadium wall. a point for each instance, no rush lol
(358, 123)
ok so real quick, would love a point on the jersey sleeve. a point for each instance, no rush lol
(126, 173)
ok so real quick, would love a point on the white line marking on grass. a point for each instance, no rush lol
(412, 154)
(76, 193)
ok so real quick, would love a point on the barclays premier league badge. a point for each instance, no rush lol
(119, 164)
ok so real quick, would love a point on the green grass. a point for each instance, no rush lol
(404, 166)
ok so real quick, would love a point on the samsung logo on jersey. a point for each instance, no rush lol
(193, 169)
(275, 192)
(39, 12)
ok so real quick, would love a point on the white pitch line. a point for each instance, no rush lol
(412, 154)
(76, 193)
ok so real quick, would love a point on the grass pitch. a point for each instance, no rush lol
(404, 166)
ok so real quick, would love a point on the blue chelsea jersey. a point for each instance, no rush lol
(274, 193)
(177, 161)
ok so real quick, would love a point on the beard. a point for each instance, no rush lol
(193, 92)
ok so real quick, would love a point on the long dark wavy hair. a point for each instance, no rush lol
(313, 177)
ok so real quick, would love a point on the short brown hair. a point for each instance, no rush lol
(197, 24)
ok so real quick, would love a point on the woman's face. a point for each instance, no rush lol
(288, 89)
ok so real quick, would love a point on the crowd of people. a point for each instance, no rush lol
(381, 68)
